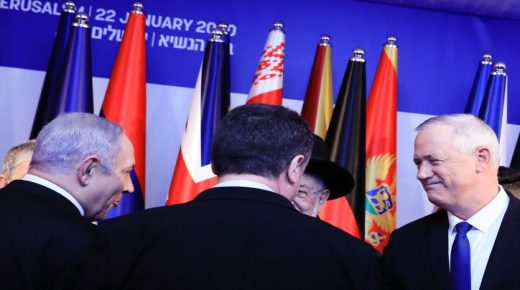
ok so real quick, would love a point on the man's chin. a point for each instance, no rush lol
(102, 215)
(434, 198)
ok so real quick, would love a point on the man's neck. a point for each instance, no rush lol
(271, 183)
(57, 187)
(476, 202)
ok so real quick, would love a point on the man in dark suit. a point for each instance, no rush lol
(80, 164)
(241, 234)
(473, 242)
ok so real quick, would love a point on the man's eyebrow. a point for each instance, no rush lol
(428, 157)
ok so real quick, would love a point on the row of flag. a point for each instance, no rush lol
(360, 133)
(345, 138)
(360, 136)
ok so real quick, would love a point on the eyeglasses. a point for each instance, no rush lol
(306, 192)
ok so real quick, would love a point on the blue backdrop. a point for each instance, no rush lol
(438, 52)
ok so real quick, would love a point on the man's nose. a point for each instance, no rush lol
(128, 185)
(423, 171)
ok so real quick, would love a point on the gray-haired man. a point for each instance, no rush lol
(473, 241)
(80, 164)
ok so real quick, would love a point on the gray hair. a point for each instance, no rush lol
(15, 155)
(468, 133)
(70, 137)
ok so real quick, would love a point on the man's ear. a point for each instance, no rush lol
(323, 198)
(483, 156)
(3, 181)
(296, 169)
(87, 168)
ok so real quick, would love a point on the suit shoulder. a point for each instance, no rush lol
(343, 240)
(143, 218)
(422, 224)
(410, 238)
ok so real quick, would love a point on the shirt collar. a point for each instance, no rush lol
(244, 183)
(486, 216)
(53, 186)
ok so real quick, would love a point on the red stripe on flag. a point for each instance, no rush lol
(380, 121)
(312, 97)
(125, 99)
(183, 188)
(338, 213)
(269, 98)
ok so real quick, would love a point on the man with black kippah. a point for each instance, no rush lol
(323, 180)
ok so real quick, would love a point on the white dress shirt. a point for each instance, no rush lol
(486, 223)
(53, 186)
(244, 183)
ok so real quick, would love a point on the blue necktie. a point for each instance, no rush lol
(460, 259)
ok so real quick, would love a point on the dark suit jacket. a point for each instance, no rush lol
(42, 234)
(417, 254)
(228, 238)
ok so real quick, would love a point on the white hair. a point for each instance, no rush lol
(15, 156)
(70, 137)
(468, 133)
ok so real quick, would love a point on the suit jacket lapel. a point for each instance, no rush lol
(439, 251)
(507, 242)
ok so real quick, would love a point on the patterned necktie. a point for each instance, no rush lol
(460, 259)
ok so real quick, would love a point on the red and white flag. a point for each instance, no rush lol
(268, 80)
